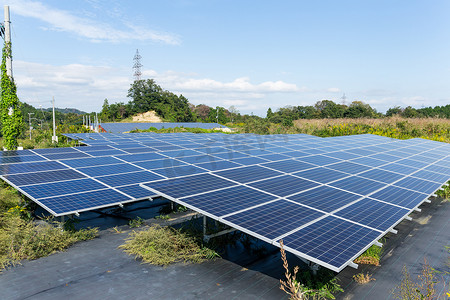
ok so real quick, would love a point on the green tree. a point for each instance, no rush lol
(105, 113)
(359, 109)
(11, 117)
(269, 114)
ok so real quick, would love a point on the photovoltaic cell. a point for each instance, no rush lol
(331, 240)
(248, 174)
(30, 167)
(42, 177)
(190, 185)
(288, 166)
(325, 198)
(358, 185)
(52, 189)
(399, 196)
(231, 200)
(274, 219)
(83, 201)
(373, 213)
(128, 178)
(284, 185)
(418, 185)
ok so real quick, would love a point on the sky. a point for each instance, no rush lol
(248, 54)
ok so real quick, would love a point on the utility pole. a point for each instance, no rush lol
(29, 122)
(54, 137)
(8, 41)
(217, 114)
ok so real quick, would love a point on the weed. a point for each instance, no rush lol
(371, 256)
(305, 285)
(444, 192)
(163, 217)
(424, 288)
(23, 239)
(138, 222)
(165, 245)
(362, 278)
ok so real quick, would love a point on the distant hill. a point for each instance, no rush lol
(66, 110)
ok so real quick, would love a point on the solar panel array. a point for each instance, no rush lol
(124, 127)
(329, 199)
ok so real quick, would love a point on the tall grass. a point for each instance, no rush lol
(396, 127)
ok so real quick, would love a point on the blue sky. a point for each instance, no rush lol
(250, 54)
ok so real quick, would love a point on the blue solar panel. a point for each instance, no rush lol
(348, 167)
(248, 160)
(105, 152)
(248, 174)
(92, 161)
(179, 171)
(325, 198)
(181, 187)
(30, 167)
(265, 220)
(136, 191)
(373, 213)
(319, 160)
(214, 174)
(83, 201)
(288, 166)
(52, 189)
(381, 175)
(321, 175)
(109, 169)
(218, 165)
(160, 163)
(128, 178)
(331, 241)
(41, 177)
(399, 196)
(401, 169)
(284, 185)
(141, 157)
(67, 155)
(231, 200)
(418, 185)
(358, 185)
(19, 159)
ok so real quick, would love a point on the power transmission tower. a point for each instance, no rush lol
(344, 98)
(137, 65)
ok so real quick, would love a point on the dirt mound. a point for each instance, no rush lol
(149, 116)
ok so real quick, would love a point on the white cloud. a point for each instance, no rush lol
(86, 86)
(61, 20)
(75, 85)
(186, 82)
(333, 90)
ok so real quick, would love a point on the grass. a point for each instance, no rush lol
(362, 278)
(21, 237)
(165, 245)
(306, 285)
(137, 222)
(395, 127)
(371, 256)
(422, 288)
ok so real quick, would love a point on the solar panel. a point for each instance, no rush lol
(290, 187)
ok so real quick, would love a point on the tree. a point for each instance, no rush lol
(269, 114)
(393, 111)
(11, 117)
(233, 112)
(359, 109)
(147, 95)
(105, 113)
